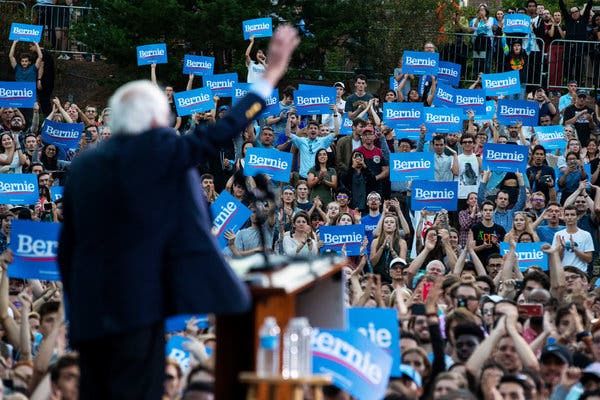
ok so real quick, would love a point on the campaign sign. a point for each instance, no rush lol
(61, 134)
(152, 54)
(355, 364)
(221, 84)
(193, 101)
(272, 104)
(445, 96)
(25, 32)
(228, 214)
(420, 63)
(410, 133)
(178, 323)
(528, 254)
(505, 157)
(334, 237)
(517, 23)
(501, 84)
(239, 90)
(17, 94)
(277, 164)
(434, 196)
(411, 166)
(175, 351)
(34, 245)
(551, 137)
(470, 99)
(260, 27)
(443, 120)
(512, 111)
(346, 128)
(393, 83)
(490, 110)
(401, 115)
(380, 326)
(449, 73)
(19, 189)
(57, 192)
(198, 65)
(316, 100)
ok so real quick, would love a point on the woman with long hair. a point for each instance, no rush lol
(359, 180)
(49, 157)
(468, 217)
(387, 246)
(301, 240)
(517, 60)
(322, 178)
(520, 225)
(11, 157)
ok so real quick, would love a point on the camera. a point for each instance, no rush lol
(48, 206)
(546, 178)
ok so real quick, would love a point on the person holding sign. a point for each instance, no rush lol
(256, 69)
(25, 70)
(150, 273)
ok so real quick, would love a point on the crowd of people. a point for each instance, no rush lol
(473, 324)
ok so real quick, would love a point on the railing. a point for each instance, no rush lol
(57, 21)
(574, 60)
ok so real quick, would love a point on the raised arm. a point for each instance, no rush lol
(11, 54)
(153, 73)
(9, 324)
(40, 56)
(249, 50)
(25, 342)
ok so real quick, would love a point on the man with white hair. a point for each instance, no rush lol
(126, 262)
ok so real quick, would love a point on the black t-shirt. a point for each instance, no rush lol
(483, 234)
(581, 124)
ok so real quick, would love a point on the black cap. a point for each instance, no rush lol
(559, 351)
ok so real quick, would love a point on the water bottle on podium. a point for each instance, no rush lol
(297, 352)
(267, 359)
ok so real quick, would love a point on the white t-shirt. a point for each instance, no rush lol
(468, 175)
(582, 241)
(255, 71)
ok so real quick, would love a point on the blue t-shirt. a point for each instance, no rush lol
(546, 233)
(370, 224)
(25, 75)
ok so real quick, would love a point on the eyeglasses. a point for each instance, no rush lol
(538, 200)
(341, 196)
(488, 312)
(571, 277)
(467, 142)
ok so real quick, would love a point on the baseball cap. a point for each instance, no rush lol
(398, 260)
(340, 84)
(592, 371)
(374, 194)
(559, 351)
(411, 373)
(582, 93)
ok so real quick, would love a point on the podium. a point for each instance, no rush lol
(314, 289)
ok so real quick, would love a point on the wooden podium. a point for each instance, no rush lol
(314, 290)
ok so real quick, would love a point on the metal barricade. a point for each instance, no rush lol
(483, 54)
(577, 60)
(57, 21)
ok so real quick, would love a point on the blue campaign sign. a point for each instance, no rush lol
(17, 94)
(221, 84)
(198, 65)
(409, 133)
(57, 192)
(334, 237)
(25, 32)
(346, 128)
(272, 104)
(552, 137)
(528, 254)
(193, 101)
(356, 365)
(411, 166)
(434, 196)
(420, 63)
(445, 96)
(175, 351)
(501, 84)
(490, 111)
(61, 134)
(277, 164)
(470, 99)
(512, 111)
(380, 326)
(399, 115)
(315, 100)
(34, 246)
(19, 189)
(239, 90)
(260, 27)
(443, 120)
(449, 73)
(178, 323)
(228, 214)
(517, 23)
(152, 54)
(393, 84)
(505, 157)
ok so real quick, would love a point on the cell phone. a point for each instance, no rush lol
(48, 206)
(518, 285)
(426, 288)
(417, 309)
(88, 134)
(546, 178)
(531, 310)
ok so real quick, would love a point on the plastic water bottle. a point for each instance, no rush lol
(291, 349)
(267, 359)
(305, 348)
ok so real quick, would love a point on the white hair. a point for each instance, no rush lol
(137, 107)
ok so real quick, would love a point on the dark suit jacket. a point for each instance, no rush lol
(136, 245)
